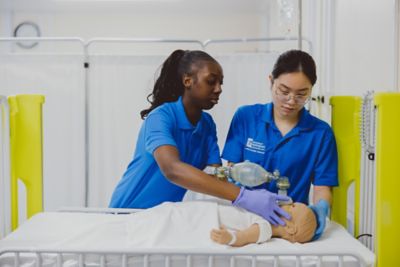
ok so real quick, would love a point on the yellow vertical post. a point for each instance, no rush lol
(346, 117)
(26, 152)
(387, 179)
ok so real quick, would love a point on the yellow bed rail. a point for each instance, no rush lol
(387, 179)
(346, 118)
(26, 152)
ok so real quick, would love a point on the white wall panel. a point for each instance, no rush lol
(364, 46)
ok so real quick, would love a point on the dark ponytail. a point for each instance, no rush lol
(169, 85)
(295, 61)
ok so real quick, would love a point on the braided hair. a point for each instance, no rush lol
(169, 85)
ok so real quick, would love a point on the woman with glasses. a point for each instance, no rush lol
(283, 135)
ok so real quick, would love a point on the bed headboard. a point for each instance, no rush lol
(346, 118)
(26, 152)
(387, 178)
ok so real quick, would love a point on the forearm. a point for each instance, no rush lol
(196, 180)
(247, 236)
(191, 178)
(322, 192)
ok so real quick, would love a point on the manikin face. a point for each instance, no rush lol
(205, 85)
(301, 227)
(290, 92)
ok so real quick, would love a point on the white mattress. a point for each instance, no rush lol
(71, 231)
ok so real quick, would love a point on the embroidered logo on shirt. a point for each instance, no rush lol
(255, 146)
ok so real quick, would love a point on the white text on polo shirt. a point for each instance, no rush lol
(255, 146)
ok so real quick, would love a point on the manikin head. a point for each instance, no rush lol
(301, 227)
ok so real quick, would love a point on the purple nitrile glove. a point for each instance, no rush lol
(263, 203)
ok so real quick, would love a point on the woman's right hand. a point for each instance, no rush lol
(263, 203)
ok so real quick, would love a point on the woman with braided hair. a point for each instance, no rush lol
(178, 140)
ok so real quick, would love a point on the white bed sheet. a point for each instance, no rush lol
(109, 232)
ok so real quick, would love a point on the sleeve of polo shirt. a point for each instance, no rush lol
(326, 171)
(213, 148)
(158, 131)
(233, 149)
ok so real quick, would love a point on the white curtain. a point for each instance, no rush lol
(61, 79)
(245, 82)
(118, 86)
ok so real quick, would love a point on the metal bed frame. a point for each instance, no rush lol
(81, 256)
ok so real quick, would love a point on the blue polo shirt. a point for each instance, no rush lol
(307, 154)
(143, 185)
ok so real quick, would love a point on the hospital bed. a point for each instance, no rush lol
(87, 237)
(102, 239)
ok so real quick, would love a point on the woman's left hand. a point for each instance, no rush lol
(321, 211)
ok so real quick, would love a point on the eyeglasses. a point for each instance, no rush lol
(285, 96)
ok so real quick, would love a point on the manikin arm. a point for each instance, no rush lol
(243, 237)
